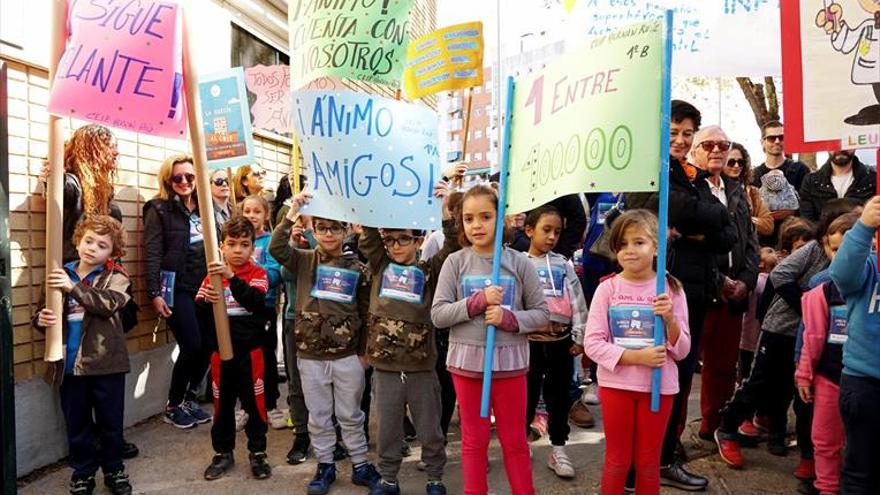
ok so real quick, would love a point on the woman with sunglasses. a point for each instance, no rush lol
(174, 267)
(248, 180)
(737, 275)
(739, 168)
(220, 195)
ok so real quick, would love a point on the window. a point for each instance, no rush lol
(477, 134)
(478, 112)
(478, 157)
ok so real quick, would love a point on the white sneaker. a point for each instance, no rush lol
(590, 397)
(278, 418)
(241, 419)
(559, 462)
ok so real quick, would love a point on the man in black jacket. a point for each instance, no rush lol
(700, 229)
(842, 176)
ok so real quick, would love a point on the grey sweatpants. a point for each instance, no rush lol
(335, 386)
(421, 391)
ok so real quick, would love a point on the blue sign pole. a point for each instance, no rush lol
(488, 359)
(663, 213)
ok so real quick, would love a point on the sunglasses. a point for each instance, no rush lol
(258, 173)
(329, 229)
(404, 240)
(736, 162)
(220, 182)
(777, 138)
(179, 178)
(709, 146)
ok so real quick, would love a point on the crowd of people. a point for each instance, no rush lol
(766, 266)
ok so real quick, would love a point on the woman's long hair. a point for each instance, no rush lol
(89, 154)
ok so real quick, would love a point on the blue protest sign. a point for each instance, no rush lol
(226, 119)
(370, 160)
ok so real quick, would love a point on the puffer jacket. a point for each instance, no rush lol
(167, 247)
(817, 189)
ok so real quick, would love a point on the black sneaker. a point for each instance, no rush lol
(82, 486)
(129, 450)
(340, 452)
(117, 482)
(776, 445)
(629, 486)
(300, 450)
(405, 450)
(219, 465)
(676, 476)
(260, 467)
(806, 487)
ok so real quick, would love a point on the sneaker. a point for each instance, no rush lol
(325, 475)
(435, 488)
(260, 467)
(581, 416)
(728, 449)
(776, 445)
(385, 488)
(364, 474)
(82, 486)
(177, 416)
(762, 423)
(129, 450)
(676, 476)
(807, 488)
(748, 429)
(339, 452)
(117, 482)
(405, 450)
(559, 462)
(629, 486)
(193, 409)
(241, 419)
(590, 395)
(300, 450)
(805, 470)
(220, 463)
(278, 418)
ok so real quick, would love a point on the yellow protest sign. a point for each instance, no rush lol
(448, 58)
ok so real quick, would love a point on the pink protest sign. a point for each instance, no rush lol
(271, 85)
(122, 67)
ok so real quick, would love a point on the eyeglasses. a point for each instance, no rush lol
(736, 162)
(220, 182)
(709, 146)
(189, 178)
(329, 229)
(258, 173)
(778, 138)
(404, 240)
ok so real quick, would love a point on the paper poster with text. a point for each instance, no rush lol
(271, 86)
(447, 59)
(360, 40)
(590, 121)
(122, 67)
(370, 160)
(226, 120)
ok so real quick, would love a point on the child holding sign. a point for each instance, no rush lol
(256, 209)
(620, 339)
(551, 350)
(401, 348)
(332, 298)
(466, 302)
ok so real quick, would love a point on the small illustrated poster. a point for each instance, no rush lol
(404, 283)
(604, 210)
(333, 283)
(195, 229)
(632, 327)
(226, 119)
(475, 283)
(837, 325)
(553, 280)
(166, 286)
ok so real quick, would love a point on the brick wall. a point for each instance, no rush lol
(139, 159)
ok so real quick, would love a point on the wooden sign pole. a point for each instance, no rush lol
(467, 130)
(203, 185)
(296, 165)
(55, 187)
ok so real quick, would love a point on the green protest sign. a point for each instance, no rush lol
(363, 40)
(590, 121)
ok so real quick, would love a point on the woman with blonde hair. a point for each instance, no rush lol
(248, 181)
(174, 267)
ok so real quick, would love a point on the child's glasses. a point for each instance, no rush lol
(404, 240)
(329, 229)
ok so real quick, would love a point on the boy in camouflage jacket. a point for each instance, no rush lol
(402, 350)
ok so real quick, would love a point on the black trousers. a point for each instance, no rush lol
(240, 378)
(93, 409)
(270, 345)
(859, 402)
(550, 369)
(770, 384)
(192, 363)
(447, 389)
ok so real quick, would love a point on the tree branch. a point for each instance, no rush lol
(772, 99)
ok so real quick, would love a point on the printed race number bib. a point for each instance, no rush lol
(232, 306)
(475, 283)
(335, 284)
(403, 283)
(75, 312)
(632, 327)
(552, 280)
(837, 325)
(603, 210)
(195, 229)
